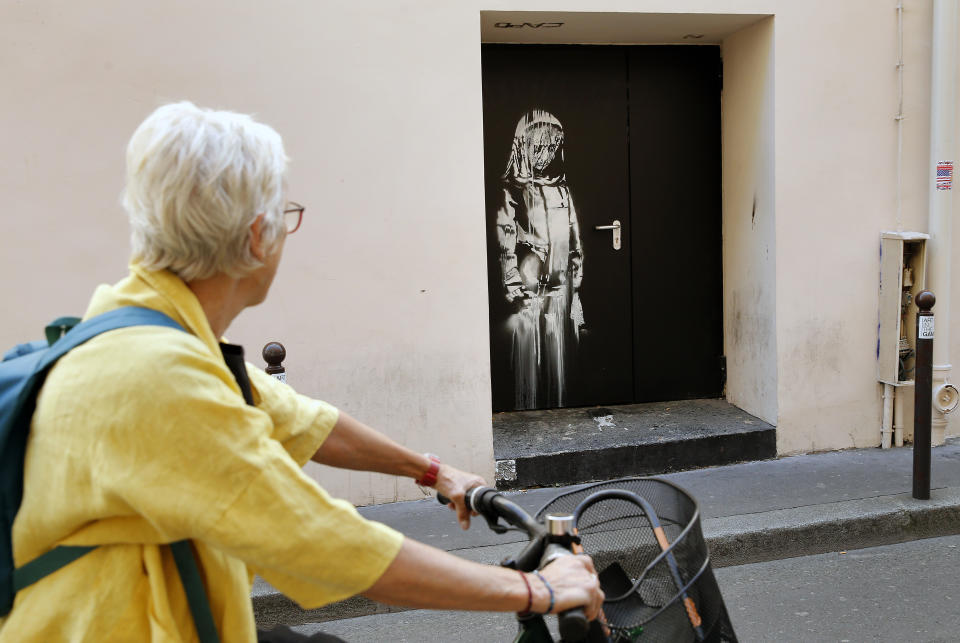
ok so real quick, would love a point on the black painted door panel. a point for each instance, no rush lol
(577, 137)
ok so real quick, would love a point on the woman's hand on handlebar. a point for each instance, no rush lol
(575, 584)
(454, 483)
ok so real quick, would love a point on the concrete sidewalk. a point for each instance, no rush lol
(751, 512)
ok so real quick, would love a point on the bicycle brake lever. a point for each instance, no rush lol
(495, 525)
(528, 559)
(493, 520)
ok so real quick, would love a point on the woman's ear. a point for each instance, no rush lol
(256, 238)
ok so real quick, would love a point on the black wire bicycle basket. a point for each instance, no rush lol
(646, 541)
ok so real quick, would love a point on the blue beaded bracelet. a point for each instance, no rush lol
(549, 589)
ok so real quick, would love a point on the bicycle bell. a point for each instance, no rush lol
(559, 524)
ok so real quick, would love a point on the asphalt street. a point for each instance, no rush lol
(904, 592)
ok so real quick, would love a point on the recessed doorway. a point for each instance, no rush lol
(603, 206)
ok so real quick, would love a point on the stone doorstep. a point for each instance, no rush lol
(588, 465)
(733, 540)
(570, 446)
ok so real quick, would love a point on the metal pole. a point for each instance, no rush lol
(923, 396)
(273, 354)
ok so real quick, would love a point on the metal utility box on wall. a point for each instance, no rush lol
(902, 276)
(903, 268)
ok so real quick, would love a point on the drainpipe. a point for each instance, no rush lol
(886, 427)
(889, 391)
(899, 393)
(943, 85)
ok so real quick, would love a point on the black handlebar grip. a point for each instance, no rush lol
(573, 624)
(468, 497)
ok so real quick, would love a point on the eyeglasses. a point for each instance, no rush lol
(293, 216)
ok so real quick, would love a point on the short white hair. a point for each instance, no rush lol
(196, 181)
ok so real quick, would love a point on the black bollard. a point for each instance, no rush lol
(273, 354)
(923, 395)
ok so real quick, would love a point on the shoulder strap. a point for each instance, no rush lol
(197, 597)
(112, 320)
(59, 327)
(23, 378)
(58, 557)
(47, 563)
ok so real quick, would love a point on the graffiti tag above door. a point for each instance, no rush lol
(530, 25)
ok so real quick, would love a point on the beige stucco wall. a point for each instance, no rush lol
(381, 298)
(836, 98)
(749, 218)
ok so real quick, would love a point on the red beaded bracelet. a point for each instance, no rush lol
(430, 477)
(529, 606)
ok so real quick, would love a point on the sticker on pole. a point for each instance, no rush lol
(944, 175)
(925, 330)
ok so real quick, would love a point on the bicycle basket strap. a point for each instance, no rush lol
(196, 594)
(47, 563)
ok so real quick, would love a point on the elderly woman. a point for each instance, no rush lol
(145, 436)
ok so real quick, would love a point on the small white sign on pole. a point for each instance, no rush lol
(926, 327)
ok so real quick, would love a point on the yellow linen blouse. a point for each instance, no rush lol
(141, 437)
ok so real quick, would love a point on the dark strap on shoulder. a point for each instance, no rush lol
(233, 358)
(196, 593)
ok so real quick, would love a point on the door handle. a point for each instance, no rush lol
(615, 226)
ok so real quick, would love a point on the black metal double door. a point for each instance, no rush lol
(584, 144)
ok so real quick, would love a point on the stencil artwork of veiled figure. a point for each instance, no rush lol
(541, 259)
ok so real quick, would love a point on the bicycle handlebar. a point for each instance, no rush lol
(488, 502)
(491, 504)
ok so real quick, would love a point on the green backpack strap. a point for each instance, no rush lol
(196, 594)
(11, 473)
(59, 327)
(49, 562)
(45, 564)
